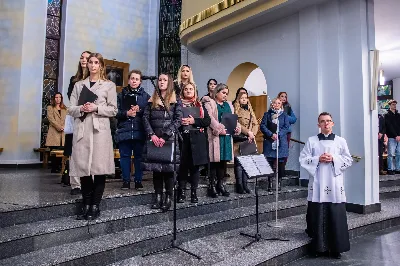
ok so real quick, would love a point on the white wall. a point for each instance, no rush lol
(320, 57)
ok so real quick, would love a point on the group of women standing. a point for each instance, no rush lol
(156, 120)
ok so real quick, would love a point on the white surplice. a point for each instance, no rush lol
(326, 179)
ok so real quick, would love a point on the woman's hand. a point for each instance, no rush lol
(223, 132)
(131, 113)
(161, 142)
(237, 130)
(89, 107)
(188, 121)
(274, 137)
(155, 140)
(250, 136)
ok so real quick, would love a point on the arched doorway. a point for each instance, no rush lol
(251, 77)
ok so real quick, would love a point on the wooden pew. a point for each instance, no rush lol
(46, 153)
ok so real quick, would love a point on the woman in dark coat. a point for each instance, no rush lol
(185, 76)
(160, 128)
(275, 117)
(130, 134)
(74, 180)
(194, 144)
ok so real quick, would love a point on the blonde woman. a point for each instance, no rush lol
(219, 141)
(249, 128)
(92, 149)
(185, 76)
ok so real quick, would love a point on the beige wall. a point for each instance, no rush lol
(192, 7)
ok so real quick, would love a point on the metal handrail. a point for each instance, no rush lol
(355, 157)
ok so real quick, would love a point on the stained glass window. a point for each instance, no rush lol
(169, 49)
(51, 60)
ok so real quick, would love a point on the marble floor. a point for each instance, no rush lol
(381, 248)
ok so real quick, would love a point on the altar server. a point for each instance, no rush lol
(325, 157)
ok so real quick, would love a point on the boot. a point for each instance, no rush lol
(238, 175)
(83, 214)
(279, 184)
(93, 213)
(193, 196)
(167, 203)
(270, 184)
(244, 181)
(181, 195)
(212, 191)
(239, 189)
(157, 202)
(221, 189)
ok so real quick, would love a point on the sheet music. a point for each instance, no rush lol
(255, 165)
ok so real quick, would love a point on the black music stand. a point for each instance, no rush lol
(256, 166)
(174, 230)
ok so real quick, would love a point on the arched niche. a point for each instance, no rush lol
(250, 74)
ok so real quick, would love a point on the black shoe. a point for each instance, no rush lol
(181, 195)
(167, 203)
(93, 213)
(138, 185)
(84, 211)
(212, 191)
(126, 185)
(221, 190)
(390, 172)
(245, 187)
(157, 202)
(193, 196)
(336, 255)
(397, 172)
(76, 191)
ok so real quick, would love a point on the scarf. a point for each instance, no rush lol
(277, 114)
(193, 103)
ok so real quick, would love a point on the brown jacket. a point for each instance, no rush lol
(244, 121)
(92, 148)
(215, 128)
(55, 137)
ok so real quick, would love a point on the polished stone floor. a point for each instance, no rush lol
(381, 248)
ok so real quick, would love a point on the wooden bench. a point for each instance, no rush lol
(46, 153)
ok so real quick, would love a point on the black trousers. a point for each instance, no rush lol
(327, 226)
(281, 168)
(92, 190)
(380, 150)
(163, 178)
(217, 170)
(186, 165)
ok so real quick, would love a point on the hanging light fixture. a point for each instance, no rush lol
(381, 78)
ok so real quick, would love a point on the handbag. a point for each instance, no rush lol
(248, 148)
(164, 154)
(69, 125)
(242, 137)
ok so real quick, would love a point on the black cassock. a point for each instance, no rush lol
(327, 226)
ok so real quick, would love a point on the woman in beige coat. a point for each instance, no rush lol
(56, 113)
(92, 149)
(219, 142)
(249, 128)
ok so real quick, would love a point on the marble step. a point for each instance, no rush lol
(113, 199)
(109, 248)
(225, 248)
(389, 180)
(389, 192)
(23, 238)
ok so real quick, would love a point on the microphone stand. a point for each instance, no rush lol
(174, 243)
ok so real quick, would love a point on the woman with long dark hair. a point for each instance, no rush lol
(92, 151)
(211, 84)
(160, 127)
(56, 113)
(219, 141)
(193, 151)
(74, 180)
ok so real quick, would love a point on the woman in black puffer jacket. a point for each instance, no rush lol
(160, 128)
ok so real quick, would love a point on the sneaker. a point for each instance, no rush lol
(138, 185)
(126, 185)
(76, 191)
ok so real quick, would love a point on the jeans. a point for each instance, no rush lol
(393, 150)
(125, 150)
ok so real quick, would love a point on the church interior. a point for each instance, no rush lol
(335, 56)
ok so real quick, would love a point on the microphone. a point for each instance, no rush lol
(149, 78)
